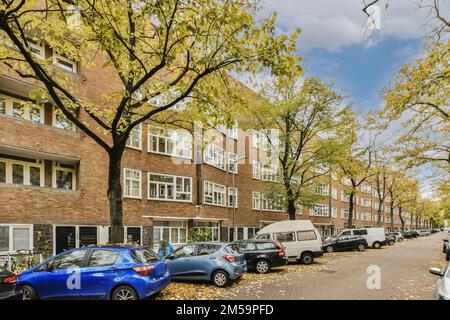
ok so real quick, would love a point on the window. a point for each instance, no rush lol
(212, 226)
(135, 139)
(334, 212)
(366, 188)
(366, 203)
(272, 203)
(168, 187)
(16, 237)
(103, 258)
(214, 194)
(232, 163)
(169, 142)
(344, 214)
(269, 173)
(207, 249)
(321, 189)
(366, 216)
(306, 235)
(64, 176)
(256, 170)
(64, 63)
(284, 236)
(256, 200)
(132, 183)
(69, 260)
(233, 131)
(23, 171)
(319, 210)
(172, 231)
(361, 232)
(186, 251)
(345, 197)
(60, 121)
(232, 197)
(21, 109)
(215, 156)
(334, 193)
(37, 48)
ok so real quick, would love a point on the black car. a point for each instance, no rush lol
(9, 288)
(410, 234)
(262, 255)
(345, 243)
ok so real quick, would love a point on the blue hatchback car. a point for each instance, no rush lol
(100, 272)
(210, 261)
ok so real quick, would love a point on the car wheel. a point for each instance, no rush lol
(329, 249)
(361, 247)
(28, 293)
(391, 242)
(262, 266)
(307, 258)
(400, 239)
(220, 278)
(124, 293)
(376, 245)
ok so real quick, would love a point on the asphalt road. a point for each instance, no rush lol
(398, 272)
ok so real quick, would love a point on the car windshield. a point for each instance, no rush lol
(143, 256)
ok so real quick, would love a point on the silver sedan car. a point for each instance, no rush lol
(443, 284)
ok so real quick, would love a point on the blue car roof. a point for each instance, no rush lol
(110, 246)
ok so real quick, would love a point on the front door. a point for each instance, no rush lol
(65, 238)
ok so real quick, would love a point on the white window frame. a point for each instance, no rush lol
(334, 193)
(333, 212)
(57, 57)
(233, 132)
(9, 102)
(256, 168)
(345, 211)
(256, 200)
(39, 46)
(232, 192)
(366, 188)
(367, 203)
(184, 225)
(11, 228)
(26, 171)
(268, 205)
(174, 186)
(215, 156)
(319, 210)
(130, 140)
(366, 216)
(55, 167)
(322, 189)
(54, 123)
(212, 186)
(125, 195)
(269, 173)
(232, 167)
(180, 140)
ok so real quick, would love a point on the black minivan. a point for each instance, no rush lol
(262, 255)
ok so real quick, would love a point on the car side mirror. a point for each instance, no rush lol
(436, 271)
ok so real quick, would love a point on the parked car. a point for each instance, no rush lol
(442, 291)
(423, 232)
(300, 239)
(263, 255)
(9, 288)
(345, 243)
(398, 236)
(390, 239)
(375, 237)
(97, 272)
(211, 261)
(410, 234)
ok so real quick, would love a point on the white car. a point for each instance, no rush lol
(442, 291)
(375, 237)
(423, 232)
(300, 239)
(398, 236)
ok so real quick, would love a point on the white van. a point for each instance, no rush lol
(375, 237)
(300, 239)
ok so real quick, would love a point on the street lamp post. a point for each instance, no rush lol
(234, 162)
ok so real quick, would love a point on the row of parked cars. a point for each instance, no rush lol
(442, 291)
(134, 272)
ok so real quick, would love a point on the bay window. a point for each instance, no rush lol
(215, 156)
(214, 194)
(169, 187)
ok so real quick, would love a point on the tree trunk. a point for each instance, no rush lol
(401, 218)
(391, 214)
(379, 213)
(291, 206)
(115, 197)
(350, 210)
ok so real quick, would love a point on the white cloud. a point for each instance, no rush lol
(333, 25)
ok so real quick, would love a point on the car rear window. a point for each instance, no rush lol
(206, 249)
(103, 258)
(306, 235)
(233, 249)
(143, 256)
(266, 245)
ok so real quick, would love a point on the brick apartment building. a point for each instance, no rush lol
(53, 179)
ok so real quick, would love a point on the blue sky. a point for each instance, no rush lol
(337, 46)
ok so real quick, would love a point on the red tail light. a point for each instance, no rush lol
(144, 270)
(12, 279)
(281, 252)
(229, 258)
